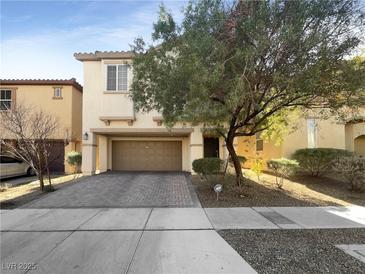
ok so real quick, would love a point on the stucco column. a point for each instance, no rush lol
(196, 146)
(89, 155)
(103, 153)
(223, 151)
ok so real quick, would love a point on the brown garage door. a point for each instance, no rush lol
(147, 155)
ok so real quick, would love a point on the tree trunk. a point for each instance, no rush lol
(40, 178)
(235, 160)
(49, 179)
(48, 174)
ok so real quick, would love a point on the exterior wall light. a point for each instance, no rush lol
(86, 136)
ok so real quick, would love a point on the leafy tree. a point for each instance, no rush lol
(237, 67)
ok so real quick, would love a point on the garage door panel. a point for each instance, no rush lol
(147, 155)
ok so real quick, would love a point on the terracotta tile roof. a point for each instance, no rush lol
(41, 82)
(98, 55)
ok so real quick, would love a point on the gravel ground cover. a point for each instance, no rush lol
(297, 251)
(298, 191)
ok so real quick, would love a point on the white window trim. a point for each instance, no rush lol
(259, 139)
(55, 95)
(312, 138)
(116, 80)
(7, 100)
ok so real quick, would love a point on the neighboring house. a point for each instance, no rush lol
(310, 132)
(118, 138)
(60, 98)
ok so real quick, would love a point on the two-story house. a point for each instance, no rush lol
(116, 137)
(60, 98)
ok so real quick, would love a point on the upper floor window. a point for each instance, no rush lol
(57, 93)
(312, 133)
(5, 99)
(117, 77)
(259, 142)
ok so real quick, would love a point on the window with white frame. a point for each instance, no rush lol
(259, 142)
(5, 99)
(312, 133)
(57, 93)
(117, 77)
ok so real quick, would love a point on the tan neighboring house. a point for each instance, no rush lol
(116, 137)
(60, 98)
(310, 132)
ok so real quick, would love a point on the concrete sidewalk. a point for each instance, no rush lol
(153, 240)
(181, 218)
(131, 240)
(286, 217)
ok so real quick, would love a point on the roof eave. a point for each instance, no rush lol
(100, 55)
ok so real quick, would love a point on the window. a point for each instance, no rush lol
(8, 160)
(57, 93)
(5, 99)
(312, 133)
(117, 78)
(259, 142)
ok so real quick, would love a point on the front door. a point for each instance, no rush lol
(211, 147)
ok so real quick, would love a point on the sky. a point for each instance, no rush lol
(38, 38)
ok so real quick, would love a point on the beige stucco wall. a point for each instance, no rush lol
(329, 134)
(67, 111)
(76, 115)
(247, 148)
(97, 102)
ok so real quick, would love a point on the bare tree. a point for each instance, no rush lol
(27, 133)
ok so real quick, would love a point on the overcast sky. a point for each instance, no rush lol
(38, 38)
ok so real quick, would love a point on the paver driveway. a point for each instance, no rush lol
(124, 189)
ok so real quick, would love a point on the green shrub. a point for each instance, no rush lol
(352, 170)
(282, 168)
(317, 161)
(74, 159)
(258, 167)
(208, 168)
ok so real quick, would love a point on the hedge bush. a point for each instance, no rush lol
(74, 159)
(208, 168)
(282, 168)
(352, 170)
(317, 161)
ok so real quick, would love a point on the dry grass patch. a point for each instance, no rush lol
(16, 196)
